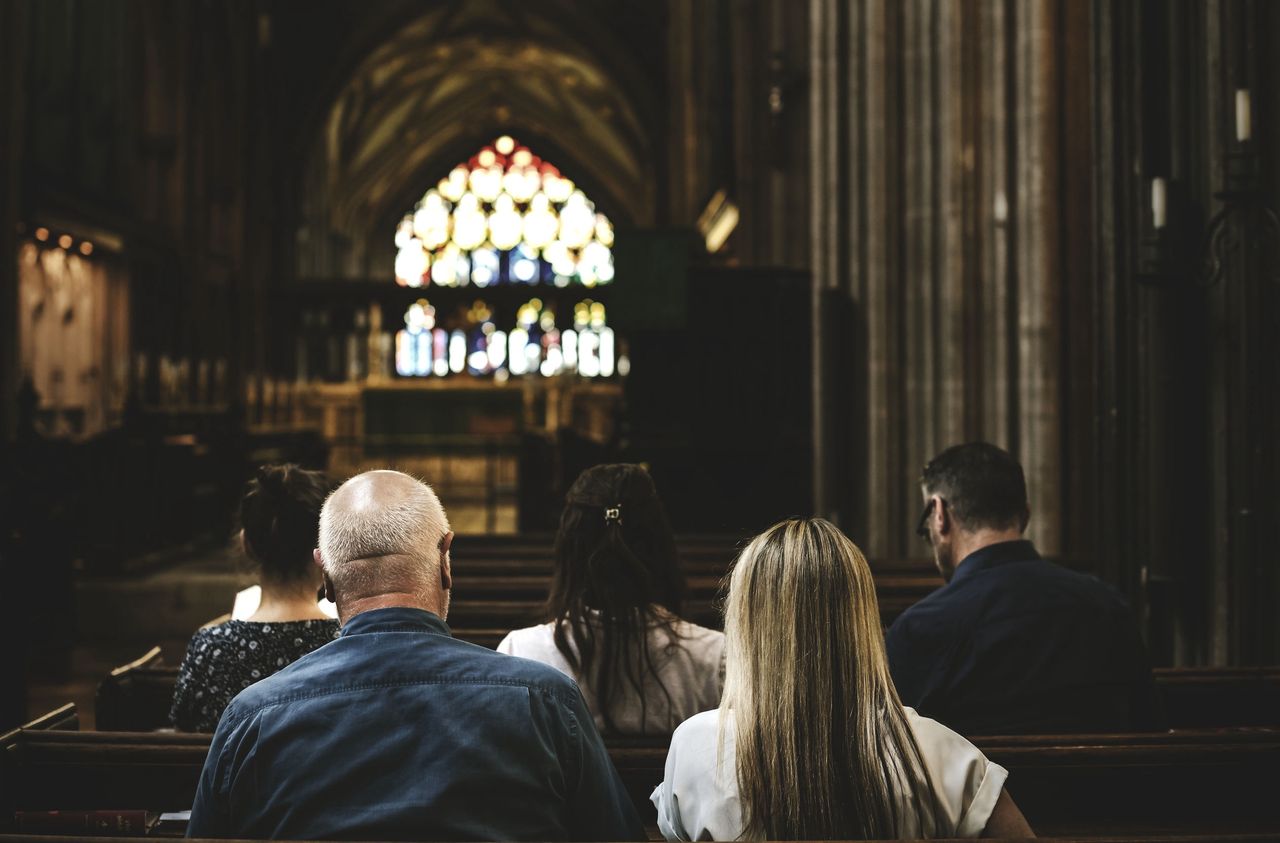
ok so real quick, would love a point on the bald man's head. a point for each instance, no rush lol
(382, 532)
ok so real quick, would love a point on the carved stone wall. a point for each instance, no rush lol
(938, 225)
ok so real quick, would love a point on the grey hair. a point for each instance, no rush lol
(379, 529)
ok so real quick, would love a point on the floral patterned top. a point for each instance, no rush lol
(223, 660)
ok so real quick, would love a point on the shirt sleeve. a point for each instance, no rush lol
(966, 784)
(665, 801)
(507, 645)
(600, 807)
(211, 812)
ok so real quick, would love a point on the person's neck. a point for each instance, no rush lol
(349, 608)
(967, 544)
(282, 604)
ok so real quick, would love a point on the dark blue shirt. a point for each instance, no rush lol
(397, 730)
(1015, 644)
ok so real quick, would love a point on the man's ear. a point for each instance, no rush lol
(329, 593)
(446, 574)
(942, 516)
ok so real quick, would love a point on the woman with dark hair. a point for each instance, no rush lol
(613, 612)
(280, 522)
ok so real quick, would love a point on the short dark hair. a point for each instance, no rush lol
(983, 485)
(280, 515)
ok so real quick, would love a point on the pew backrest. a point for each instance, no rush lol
(1206, 780)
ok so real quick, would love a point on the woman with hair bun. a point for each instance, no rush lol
(811, 741)
(613, 613)
(280, 522)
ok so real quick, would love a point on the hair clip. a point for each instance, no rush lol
(613, 514)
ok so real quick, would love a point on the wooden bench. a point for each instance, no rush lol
(1204, 781)
(1144, 838)
(65, 718)
(135, 696)
(1203, 697)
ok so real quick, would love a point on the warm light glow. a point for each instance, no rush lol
(516, 342)
(718, 220)
(86, 248)
(506, 217)
(577, 221)
(411, 263)
(469, 224)
(65, 241)
(457, 352)
(540, 222)
(505, 224)
(497, 350)
(485, 264)
(511, 202)
(605, 353)
(42, 234)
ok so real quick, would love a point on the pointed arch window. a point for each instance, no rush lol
(504, 217)
(499, 221)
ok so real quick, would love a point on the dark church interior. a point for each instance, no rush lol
(780, 254)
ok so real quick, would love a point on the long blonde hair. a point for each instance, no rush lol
(824, 750)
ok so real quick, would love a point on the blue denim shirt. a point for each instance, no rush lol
(1016, 644)
(396, 730)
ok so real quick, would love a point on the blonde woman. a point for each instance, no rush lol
(810, 741)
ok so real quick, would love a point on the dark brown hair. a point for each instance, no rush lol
(616, 571)
(280, 516)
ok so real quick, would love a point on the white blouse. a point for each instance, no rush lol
(692, 671)
(698, 799)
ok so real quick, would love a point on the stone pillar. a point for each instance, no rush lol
(1040, 304)
(12, 110)
(935, 218)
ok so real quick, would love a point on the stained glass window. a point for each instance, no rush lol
(504, 217)
(533, 345)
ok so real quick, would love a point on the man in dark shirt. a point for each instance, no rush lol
(1012, 644)
(396, 730)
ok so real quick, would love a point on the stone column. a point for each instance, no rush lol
(936, 219)
(12, 109)
(1040, 303)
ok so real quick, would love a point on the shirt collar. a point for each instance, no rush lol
(396, 619)
(993, 555)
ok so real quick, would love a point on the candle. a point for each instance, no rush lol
(1244, 116)
(1159, 203)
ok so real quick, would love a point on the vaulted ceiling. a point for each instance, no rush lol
(453, 78)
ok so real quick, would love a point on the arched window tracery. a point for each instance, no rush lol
(506, 218)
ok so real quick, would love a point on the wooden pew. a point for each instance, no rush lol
(1142, 838)
(65, 718)
(1204, 781)
(1202, 697)
(135, 696)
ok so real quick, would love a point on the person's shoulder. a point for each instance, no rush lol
(531, 638)
(699, 729)
(689, 629)
(934, 616)
(501, 669)
(697, 640)
(209, 640)
(935, 739)
(1085, 586)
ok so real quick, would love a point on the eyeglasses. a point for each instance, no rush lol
(922, 526)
